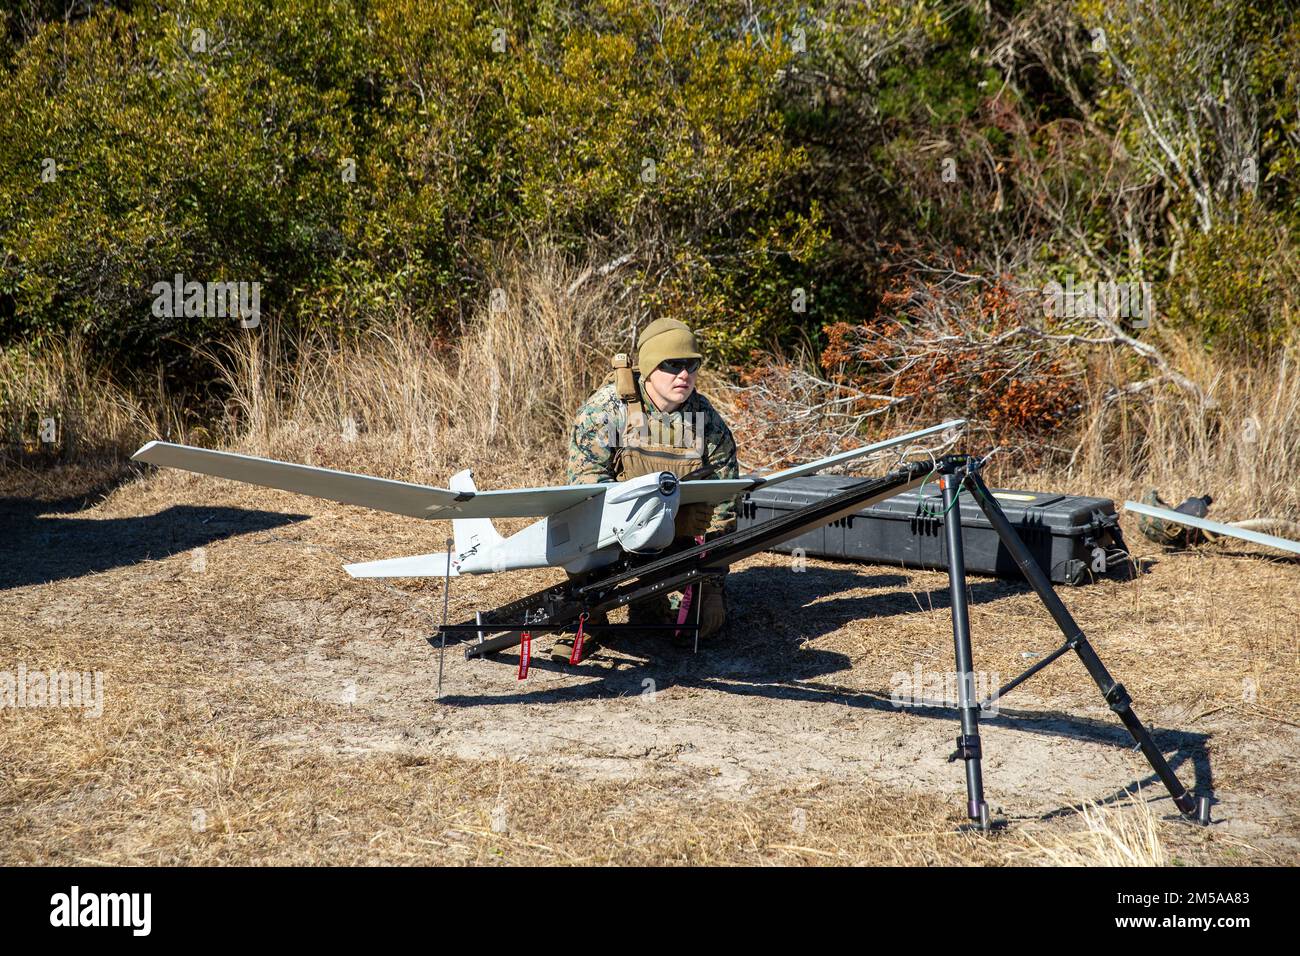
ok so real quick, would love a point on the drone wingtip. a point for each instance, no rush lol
(144, 451)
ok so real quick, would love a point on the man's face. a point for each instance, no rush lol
(674, 380)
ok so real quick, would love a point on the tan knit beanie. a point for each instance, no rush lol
(665, 339)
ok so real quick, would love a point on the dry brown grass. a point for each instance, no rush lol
(1123, 835)
(1241, 443)
(225, 739)
(95, 418)
(180, 770)
(401, 400)
(509, 384)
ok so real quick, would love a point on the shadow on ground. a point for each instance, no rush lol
(42, 541)
(1179, 747)
(778, 670)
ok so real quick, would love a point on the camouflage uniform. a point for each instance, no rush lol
(697, 432)
(601, 421)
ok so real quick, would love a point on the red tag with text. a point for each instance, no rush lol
(576, 655)
(525, 653)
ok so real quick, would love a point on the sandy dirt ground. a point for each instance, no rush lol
(222, 624)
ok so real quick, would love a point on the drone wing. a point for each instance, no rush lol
(427, 501)
(382, 494)
(713, 490)
(1215, 527)
(717, 490)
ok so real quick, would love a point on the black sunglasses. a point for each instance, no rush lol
(677, 366)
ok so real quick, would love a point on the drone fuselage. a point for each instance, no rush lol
(636, 515)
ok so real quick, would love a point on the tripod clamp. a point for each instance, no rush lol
(968, 748)
(963, 471)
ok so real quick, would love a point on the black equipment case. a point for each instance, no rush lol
(1074, 539)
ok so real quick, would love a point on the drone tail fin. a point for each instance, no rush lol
(472, 535)
(417, 566)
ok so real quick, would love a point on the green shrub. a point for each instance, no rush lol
(351, 154)
(1238, 286)
(364, 158)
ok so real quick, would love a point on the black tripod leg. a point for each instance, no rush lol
(968, 744)
(1113, 691)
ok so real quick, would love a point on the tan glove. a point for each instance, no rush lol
(693, 520)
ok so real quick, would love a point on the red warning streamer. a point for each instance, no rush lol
(525, 653)
(576, 654)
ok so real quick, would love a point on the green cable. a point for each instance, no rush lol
(928, 513)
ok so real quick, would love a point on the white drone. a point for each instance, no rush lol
(582, 526)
